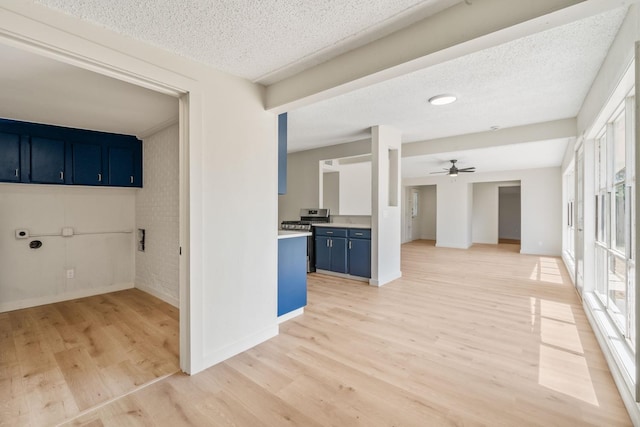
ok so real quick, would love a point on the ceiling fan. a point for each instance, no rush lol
(453, 170)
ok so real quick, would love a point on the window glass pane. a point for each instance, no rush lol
(601, 274)
(601, 206)
(619, 146)
(631, 280)
(601, 178)
(618, 291)
(618, 229)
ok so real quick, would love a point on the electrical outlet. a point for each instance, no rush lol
(71, 273)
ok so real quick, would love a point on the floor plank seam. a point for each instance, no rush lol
(116, 398)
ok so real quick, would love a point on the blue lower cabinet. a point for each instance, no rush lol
(344, 250)
(360, 257)
(331, 252)
(339, 254)
(323, 253)
(292, 274)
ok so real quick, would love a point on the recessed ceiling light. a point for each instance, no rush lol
(442, 99)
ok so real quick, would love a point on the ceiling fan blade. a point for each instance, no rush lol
(467, 171)
(471, 169)
(445, 171)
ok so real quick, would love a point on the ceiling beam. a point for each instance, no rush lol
(454, 32)
(558, 129)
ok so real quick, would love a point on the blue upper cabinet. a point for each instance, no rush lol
(10, 168)
(282, 153)
(125, 163)
(87, 164)
(47, 161)
(45, 154)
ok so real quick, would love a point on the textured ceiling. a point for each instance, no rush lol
(530, 155)
(261, 40)
(539, 78)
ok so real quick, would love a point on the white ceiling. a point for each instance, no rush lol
(534, 79)
(42, 90)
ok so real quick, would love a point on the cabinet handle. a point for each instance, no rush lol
(132, 179)
(331, 243)
(328, 242)
(61, 175)
(358, 234)
(99, 177)
(16, 173)
(349, 244)
(329, 232)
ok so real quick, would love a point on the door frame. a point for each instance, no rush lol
(48, 48)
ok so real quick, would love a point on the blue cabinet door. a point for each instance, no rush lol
(292, 274)
(360, 257)
(323, 253)
(282, 153)
(47, 160)
(9, 157)
(338, 254)
(87, 164)
(121, 166)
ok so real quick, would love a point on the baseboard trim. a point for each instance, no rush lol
(237, 347)
(51, 299)
(628, 399)
(160, 295)
(383, 281)
(290, 315)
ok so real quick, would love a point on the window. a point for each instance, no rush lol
(614, 226)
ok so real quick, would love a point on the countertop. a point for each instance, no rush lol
(288, 234)
(342, 225)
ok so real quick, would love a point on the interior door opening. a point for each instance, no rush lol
(509, 215)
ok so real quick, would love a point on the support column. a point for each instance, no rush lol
(385, 205)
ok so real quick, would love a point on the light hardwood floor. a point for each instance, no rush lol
(58, 360)
(484, 336)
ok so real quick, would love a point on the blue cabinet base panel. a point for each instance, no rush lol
(292, 274)
(343, 275)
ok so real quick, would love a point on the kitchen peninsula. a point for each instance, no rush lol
(292, 273)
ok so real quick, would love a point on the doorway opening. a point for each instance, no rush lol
(178, 133)
(509, 215)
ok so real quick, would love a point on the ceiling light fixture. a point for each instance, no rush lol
(442, 99)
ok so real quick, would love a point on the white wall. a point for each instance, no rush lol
(157, 212)
(303, 176)
(102, 261)
(230, 171)
(541, 193)
(386, 211)
(485, 213)
(454, 208)
(331, 191)
(355, 189)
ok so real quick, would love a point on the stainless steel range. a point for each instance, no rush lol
(308, 217)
